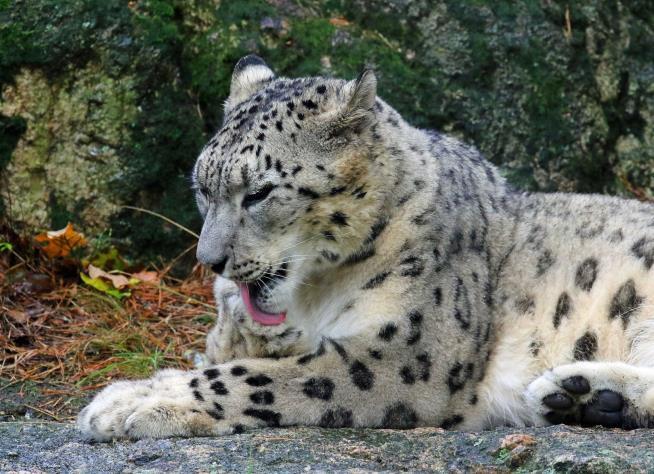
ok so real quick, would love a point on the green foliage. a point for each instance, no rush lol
(106, 256)
(139, 363)
(157, 27)
(55, 35)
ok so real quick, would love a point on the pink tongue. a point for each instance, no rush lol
(267, 319)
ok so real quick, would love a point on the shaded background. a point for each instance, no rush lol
(108, 102)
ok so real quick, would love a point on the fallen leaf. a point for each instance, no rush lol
(60, 243)
(104, 287)
(118, 281)
(147, 277)
(512, 441)
(339, 21)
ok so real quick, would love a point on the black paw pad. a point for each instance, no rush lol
(608, 400)
(558, 401)
(576, 384)
(557, 418)
(604, 409)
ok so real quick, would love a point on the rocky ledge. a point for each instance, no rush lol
(56, 447)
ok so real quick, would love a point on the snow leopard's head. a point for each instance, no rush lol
(291, 184)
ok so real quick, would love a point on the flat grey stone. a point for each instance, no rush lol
(56, 447)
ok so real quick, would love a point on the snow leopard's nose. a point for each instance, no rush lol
(216, 261)
(214, 245)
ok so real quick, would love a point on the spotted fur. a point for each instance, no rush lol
(419, 288)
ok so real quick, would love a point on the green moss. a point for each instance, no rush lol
(157, 26)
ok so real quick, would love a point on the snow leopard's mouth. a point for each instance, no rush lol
(257, 292)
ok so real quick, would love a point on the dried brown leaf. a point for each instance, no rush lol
(118, 281)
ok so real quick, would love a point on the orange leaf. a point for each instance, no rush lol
(60, 243)
(339, 21)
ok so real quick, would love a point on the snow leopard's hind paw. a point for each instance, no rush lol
(608, 394)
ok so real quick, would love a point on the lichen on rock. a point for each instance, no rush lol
(67, 163)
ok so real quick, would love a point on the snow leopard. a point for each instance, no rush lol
(373, 274)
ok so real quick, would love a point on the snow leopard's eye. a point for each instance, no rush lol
(255, 198)
(201, 191)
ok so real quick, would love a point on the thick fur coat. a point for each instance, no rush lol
(418, 288)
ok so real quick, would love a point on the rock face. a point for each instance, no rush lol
(108, 103)
(70, 151)
(51, 447)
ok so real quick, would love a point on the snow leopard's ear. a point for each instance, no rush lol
(250, 74)
(360, 95)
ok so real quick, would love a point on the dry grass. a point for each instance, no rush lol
(69, 339)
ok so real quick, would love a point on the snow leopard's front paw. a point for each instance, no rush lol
(156, 408)
(229, 301)
(237, 336)
(105, 417)
(232, 311)
(594, 393)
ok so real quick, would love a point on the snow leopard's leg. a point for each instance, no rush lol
(236, 336)
(611, 394)
(341, 384)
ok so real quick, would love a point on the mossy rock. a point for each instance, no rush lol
(106, 102)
